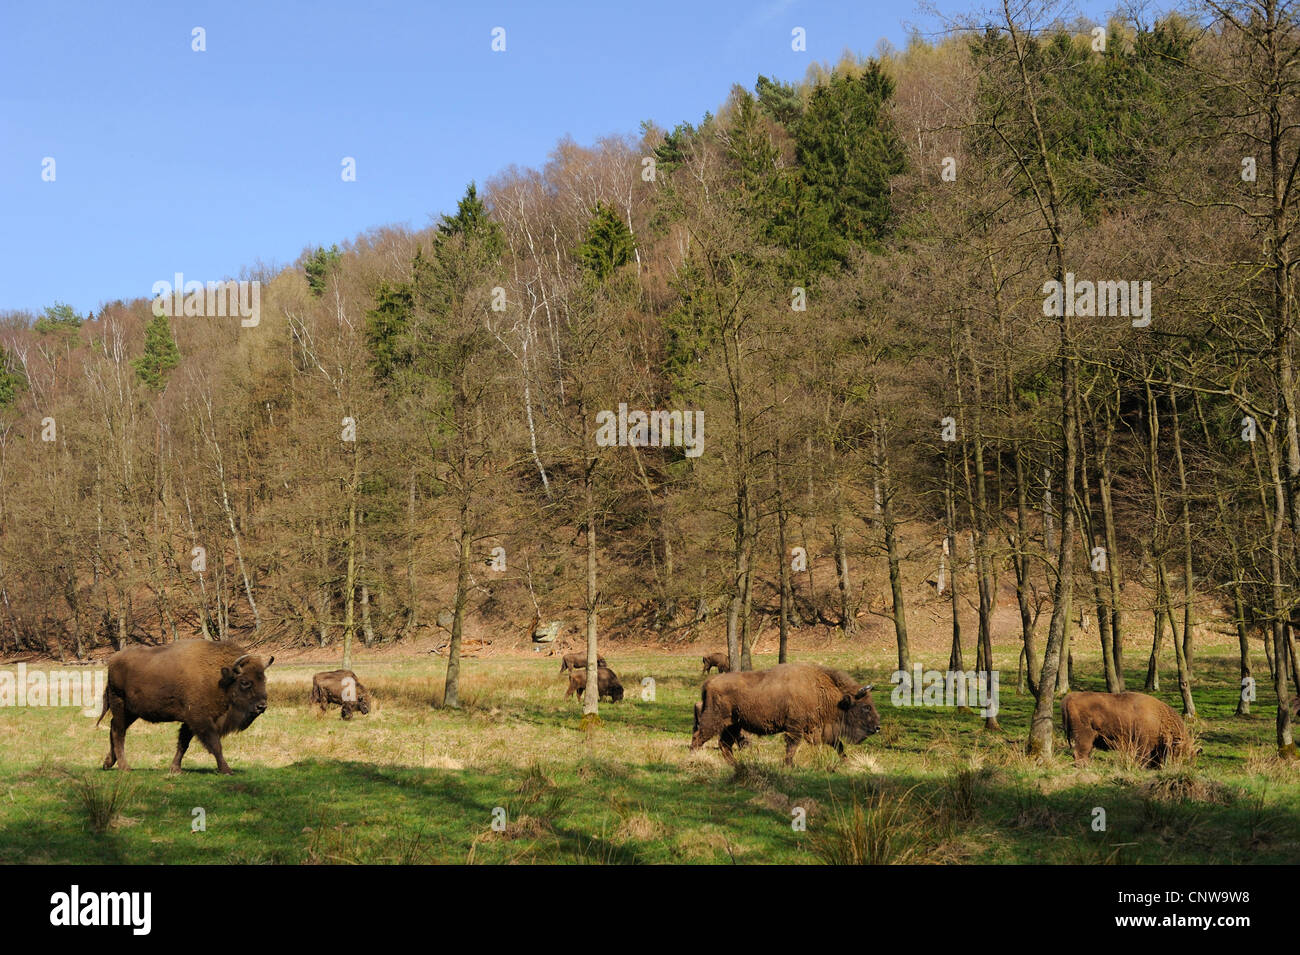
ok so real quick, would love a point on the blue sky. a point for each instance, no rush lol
(172, 160)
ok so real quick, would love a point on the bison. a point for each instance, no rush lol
(578, 661)
(719, 660)
(606, 682)
(340, 687)
(806, 702)
(211, 689)
(1129, 720)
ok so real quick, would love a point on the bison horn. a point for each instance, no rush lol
(864, 691)
(235, 665)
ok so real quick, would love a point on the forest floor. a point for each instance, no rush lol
(413, 784)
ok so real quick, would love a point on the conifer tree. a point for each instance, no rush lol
(160, 353)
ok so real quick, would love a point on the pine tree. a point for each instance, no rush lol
(160, 353)
(318, 267)
(57, 318)
(781, 101)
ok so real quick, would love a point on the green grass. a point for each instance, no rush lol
(413, 784)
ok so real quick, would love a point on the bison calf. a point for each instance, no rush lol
(719, 660)
(211, 689)
(578, 661)
(606, 683)
(807, 703)
(340, 687)
(1124, 721)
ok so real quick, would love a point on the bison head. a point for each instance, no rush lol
(859, 718)
(244, 682)
(360, 705)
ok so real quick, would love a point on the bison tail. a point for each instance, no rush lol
(105, 709)
(1065, 719)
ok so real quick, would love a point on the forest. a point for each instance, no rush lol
(1013, 307)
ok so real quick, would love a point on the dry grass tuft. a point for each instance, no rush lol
(104, 796)
(1181, 785)
(876, 828)
(638, 827)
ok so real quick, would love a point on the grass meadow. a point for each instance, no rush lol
(413, 784)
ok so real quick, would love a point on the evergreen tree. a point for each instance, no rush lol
(608, 244)
(318, 267)
(11, 380)
(466, 244)
(57, 318)
(781, 101)
(1103, 113)
(388, 327)
(847, 150)
(471, 219)
(778, 202)
(160, 353)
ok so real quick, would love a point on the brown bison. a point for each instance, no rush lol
(340, 687)
(606, 682)
(578, 661)
(806, 702)
(1147, 726)
(719, 660)
(211, 689)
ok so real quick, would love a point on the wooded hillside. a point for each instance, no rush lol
(1028, 289)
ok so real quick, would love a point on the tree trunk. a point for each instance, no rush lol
(782, 559)
(591, 697)
(891, 549)
(350, 580)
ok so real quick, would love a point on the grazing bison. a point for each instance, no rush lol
(578, 661)
(340, 687)
(606, 682)
(1148, 726)
(719, 660)
(807, 703)
(211, 689)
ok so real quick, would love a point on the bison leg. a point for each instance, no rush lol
(1158, 755)
(791, 744)
(117, 733)
(111, 759)
(1082, 747)
(708, 724)
(183, 738)
(211, 741)
(727, 740)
